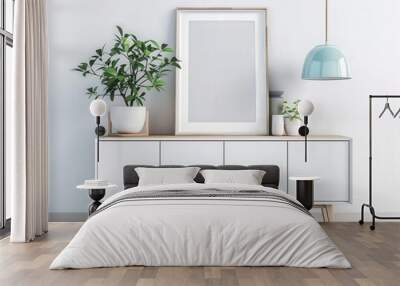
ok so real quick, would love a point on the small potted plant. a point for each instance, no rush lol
(128, 70)
(292, 117)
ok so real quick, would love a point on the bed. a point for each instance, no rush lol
(198, 224)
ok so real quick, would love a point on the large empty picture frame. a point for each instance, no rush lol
(222, 87)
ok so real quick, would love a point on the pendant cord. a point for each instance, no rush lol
(326, 22)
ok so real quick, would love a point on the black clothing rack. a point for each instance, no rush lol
(370, 204)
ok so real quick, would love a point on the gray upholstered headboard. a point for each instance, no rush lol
(271, 177)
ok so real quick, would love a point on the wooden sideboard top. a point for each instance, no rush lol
(224, 138)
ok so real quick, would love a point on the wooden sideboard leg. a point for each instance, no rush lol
(331, 212)
(323, 214)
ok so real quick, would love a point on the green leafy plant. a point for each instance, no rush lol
(129, 69)
(290, 110)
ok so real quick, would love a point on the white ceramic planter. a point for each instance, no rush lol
(278, 126)
(128, 119)
(292, 127)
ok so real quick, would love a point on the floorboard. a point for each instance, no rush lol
(375, 257)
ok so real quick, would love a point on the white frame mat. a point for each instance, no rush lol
(231, 103)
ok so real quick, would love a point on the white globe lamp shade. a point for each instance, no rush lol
(98, 107)
(305, 107)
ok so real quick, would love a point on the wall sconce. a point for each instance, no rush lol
(305, 108)
(98, 108)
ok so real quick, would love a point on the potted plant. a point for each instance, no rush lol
(292, 117)
(128, 70)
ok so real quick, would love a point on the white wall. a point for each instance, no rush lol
(365, 30)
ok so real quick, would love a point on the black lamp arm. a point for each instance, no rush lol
(305, 121)
(303, 131)
(98, 136)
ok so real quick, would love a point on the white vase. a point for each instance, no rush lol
(278, 126)
(292, 126)
(128, 119)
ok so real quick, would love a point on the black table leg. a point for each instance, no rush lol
(96, 195)
(305, 193)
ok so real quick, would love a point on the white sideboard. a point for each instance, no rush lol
(329, 157)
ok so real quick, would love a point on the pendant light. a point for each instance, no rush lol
(325, 62)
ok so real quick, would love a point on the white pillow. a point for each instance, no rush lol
(248, 177)
(166, 176)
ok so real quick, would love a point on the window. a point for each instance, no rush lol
(6, 65)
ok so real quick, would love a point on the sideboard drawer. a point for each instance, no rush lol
(193, 152)
(327, 160)
(114, 155)
(259, 153)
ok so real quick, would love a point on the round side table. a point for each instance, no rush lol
(305, 190)
(96, 193)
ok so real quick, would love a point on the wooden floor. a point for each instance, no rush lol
(375, 257)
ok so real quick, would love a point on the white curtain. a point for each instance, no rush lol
(27, 117)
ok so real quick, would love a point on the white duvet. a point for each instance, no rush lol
(199, 231)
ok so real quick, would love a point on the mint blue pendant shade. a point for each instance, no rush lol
(325, 62)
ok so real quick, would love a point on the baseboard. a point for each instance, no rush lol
(355, 217)
(67, 217)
